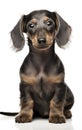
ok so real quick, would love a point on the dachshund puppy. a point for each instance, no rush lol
(43, 90)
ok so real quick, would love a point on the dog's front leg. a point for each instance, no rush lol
(57, 104)
(26, 112)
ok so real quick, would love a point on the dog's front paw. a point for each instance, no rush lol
(57, 118)
(24, 117)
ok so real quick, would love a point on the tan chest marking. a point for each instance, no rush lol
(48, 79)
(56, 78)
(28, 79)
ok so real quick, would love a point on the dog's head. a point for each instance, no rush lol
(43, 28)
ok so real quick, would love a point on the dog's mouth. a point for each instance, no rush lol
(42, 47)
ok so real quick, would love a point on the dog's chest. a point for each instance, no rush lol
(41, 82)
(41, 79)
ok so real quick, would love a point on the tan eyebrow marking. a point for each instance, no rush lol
(45, 18)
(34, 21)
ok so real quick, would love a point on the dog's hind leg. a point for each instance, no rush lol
(68, 103)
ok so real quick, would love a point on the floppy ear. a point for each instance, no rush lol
(64, 31)
(17, 34)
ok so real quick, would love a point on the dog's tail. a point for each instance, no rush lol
(9, 113)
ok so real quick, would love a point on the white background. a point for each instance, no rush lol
(10, 62)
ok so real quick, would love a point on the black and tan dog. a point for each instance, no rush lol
(42, 88)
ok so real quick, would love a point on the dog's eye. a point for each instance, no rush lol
(49, 22)
(31, 25)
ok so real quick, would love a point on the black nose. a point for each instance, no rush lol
(41, 40)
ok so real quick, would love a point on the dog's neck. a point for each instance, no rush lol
(41, 56)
